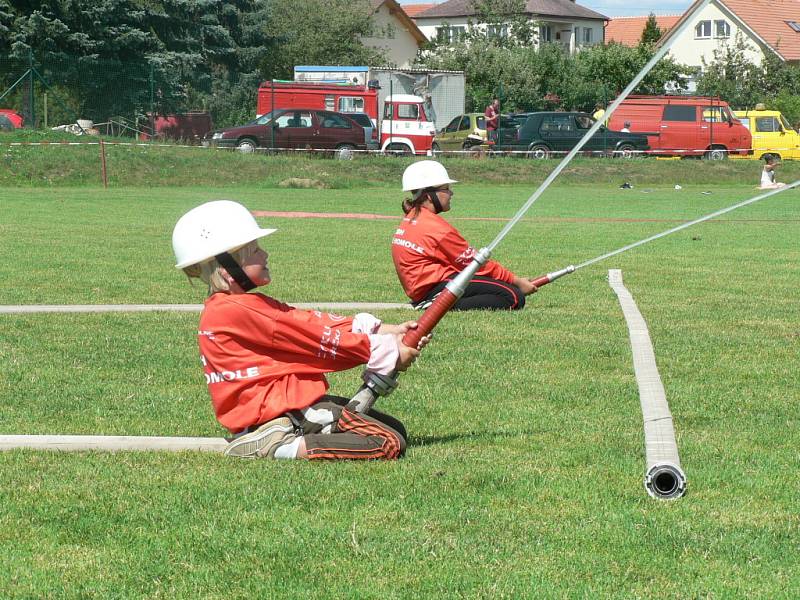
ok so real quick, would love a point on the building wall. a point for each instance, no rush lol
(393, 38)
(688, 49)
(562, 31)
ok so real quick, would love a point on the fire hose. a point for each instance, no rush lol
(380, 385)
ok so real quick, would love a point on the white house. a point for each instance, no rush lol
(560, 21)
(394, 32)
(765, 25)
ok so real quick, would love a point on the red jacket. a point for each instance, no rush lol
(262, 357)
(427, 250)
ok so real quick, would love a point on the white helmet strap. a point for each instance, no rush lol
(235, 271)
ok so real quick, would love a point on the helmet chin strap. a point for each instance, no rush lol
(435, 200)
(235, 271)
(432, 196)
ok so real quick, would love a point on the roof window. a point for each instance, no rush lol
(794, 25)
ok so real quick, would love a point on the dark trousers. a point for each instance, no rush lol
(481, 293)
(333, 432)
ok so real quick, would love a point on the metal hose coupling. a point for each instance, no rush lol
(459, 284)
(565, 271)
(665, 481)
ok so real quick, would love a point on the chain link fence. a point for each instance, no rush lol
(124, 98)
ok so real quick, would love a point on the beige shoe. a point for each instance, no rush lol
(262, 442)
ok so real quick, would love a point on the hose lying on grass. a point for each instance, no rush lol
(664, 479)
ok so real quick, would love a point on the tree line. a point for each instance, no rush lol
(107, 57)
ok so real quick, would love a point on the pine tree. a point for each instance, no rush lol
(652, 32)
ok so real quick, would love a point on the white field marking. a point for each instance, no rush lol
(103, 308)
(664, 478)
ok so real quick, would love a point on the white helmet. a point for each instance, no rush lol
(211, 229)
(425, 174)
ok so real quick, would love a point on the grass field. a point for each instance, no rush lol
(523, 477)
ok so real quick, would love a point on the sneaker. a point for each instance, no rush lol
(262, 442)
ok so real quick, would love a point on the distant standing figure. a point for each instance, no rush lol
(627, 127)
(768, 174)
(492, 115)
(599, 112)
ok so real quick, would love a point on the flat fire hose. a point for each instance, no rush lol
(112, 443)
(664, 479)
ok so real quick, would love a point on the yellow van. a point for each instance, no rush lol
(771, 132)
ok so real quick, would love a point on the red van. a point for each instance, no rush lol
(684, 125)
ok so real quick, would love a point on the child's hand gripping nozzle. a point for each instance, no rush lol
(377, 385)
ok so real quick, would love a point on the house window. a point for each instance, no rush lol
(587, 35)
(794, 25)
(545, 34)
(449, 35)
(703, 30)
(722, 29)
(497, 31)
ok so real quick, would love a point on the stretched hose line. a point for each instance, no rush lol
(367, 394)
(689, 224)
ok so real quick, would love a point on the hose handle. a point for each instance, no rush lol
(430, 318)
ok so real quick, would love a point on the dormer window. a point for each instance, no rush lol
(722, 29)
(703, 30)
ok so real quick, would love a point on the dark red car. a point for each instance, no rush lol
(10, 119)
(294, 128)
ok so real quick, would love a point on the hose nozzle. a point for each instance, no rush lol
(551, 277)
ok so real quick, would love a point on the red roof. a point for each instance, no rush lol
(768, 19)
(412, 10)
(628, 30)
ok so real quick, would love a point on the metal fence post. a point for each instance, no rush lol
(152, 102)
(31, 93)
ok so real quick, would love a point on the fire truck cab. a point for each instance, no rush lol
(405, 127)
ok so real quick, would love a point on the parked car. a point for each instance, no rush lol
(541, 133)
(468, 132)
(294, 128)
(462, 132)
(698, 126)
(10, 119)
(371, 137)
(772, 133)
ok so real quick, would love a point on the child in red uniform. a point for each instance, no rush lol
(265, 362)
(428, 252)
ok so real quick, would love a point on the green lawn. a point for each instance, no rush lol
(524, 473)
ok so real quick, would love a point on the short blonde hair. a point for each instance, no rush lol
(210, 271)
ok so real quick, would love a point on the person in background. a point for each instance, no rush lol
(492, 115)
(428, 252)
(265, 361)
(599, 112)
(626, 127)
(768, 173)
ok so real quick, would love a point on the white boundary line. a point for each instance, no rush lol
(105, 308)
(664, 478)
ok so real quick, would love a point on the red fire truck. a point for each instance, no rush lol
(402, 125)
